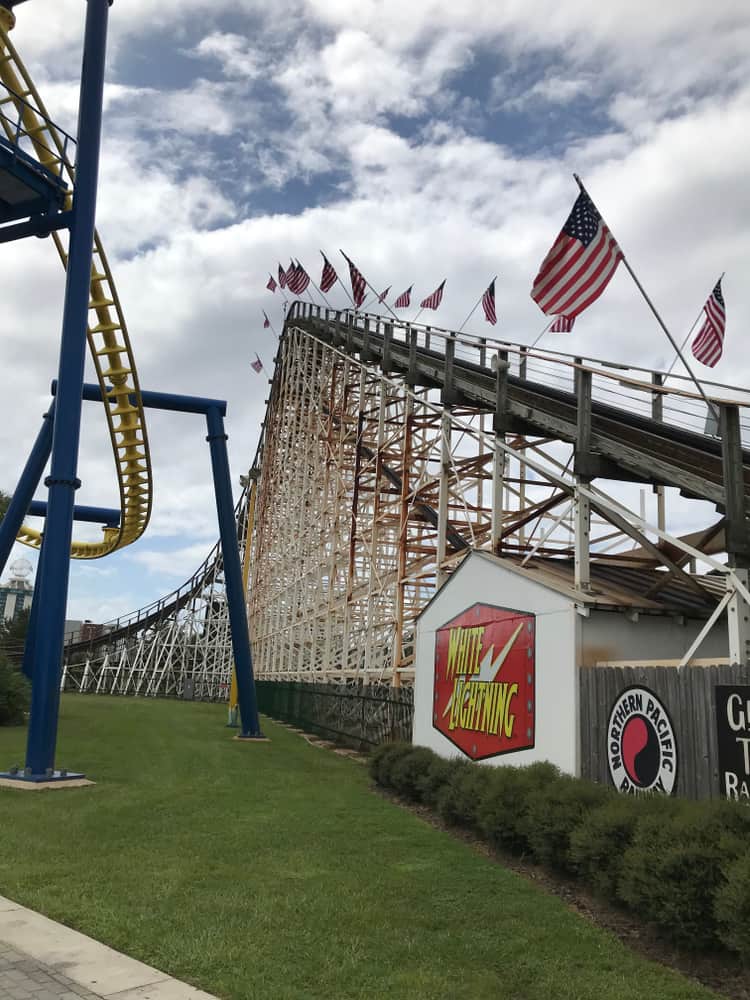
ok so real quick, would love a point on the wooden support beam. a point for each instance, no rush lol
(581, 543)
(672, 568)
(411, 371)
(448, 393)
(386, 363)
(736, 529)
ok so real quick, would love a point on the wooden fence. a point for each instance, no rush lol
(688, 694)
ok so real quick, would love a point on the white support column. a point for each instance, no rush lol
(445, 470)
(582, 524)
(498, 492)
(738, 621)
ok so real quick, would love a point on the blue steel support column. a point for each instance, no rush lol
(63, 482)
(233, 574)
(29, 649)
(27, 484)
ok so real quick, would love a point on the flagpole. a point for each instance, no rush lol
(476, 306)
(697, 320)
(356, 309)
(654, 310)
(271, 326)
(549, 324)
(346, 290)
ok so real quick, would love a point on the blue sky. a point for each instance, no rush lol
(429, 139)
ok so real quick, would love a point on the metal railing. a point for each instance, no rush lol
(668, 397)
(363, 716)
(29, 143)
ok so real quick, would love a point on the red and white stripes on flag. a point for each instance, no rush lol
(709, 341)
(257, 365)
(562, 324)
(290, 275)
(329, 277)
(271, 284)
(434, 300)
(359, 285)
(404, 299)
(282, 277)
(266, 321)
(580, 263)
(299, 279)
(383, 295)
(488, 303)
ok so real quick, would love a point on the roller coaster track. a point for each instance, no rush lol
(369, 485)
(624, 443)
(107, 332)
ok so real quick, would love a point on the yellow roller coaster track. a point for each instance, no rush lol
(107, 334)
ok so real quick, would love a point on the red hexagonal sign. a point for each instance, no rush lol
(483, 696)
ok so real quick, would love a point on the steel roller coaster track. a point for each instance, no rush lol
(107, 332)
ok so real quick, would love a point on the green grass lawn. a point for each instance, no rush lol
(272, 871)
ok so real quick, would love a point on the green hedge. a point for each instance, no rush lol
(15, 694)
(683, 867)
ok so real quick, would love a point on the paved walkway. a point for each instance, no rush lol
(42, 960)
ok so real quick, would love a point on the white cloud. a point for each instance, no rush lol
(179, 563)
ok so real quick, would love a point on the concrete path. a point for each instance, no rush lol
(42, 960)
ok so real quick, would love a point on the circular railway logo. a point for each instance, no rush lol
(641, 746)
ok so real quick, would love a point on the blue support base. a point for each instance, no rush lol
(37, 779)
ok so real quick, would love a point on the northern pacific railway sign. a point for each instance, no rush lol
(483, 696)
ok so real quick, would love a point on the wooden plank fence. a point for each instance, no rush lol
(688, 694)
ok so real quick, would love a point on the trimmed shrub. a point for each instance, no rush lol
(553, 811)
(599, 842)
(384, 758)
(15, 694)
(459, 799)
(408, 769)
(501, 815)
(674, 869)
(732, 907)
(430, 783)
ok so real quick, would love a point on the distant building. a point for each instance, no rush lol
(72, 629)
(17, 592)
(90, 630)
(83, 631)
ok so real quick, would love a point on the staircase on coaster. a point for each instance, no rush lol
(28, 188)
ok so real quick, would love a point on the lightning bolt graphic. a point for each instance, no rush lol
(488, 668)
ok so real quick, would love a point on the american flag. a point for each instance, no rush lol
(402, 302)
(434, 300)
(257, 365)
(359, 285)
(383, 295)
(266, 321)
(580, 264)
(271, 284)
(290, 275)
(329, 277)
(282, 277)
(303, 279)
(299, 279)
(709, 341)
(488, 303)
(562, 324)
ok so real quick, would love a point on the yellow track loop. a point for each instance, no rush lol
(107, 334)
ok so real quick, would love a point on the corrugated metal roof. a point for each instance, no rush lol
(623, 586)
